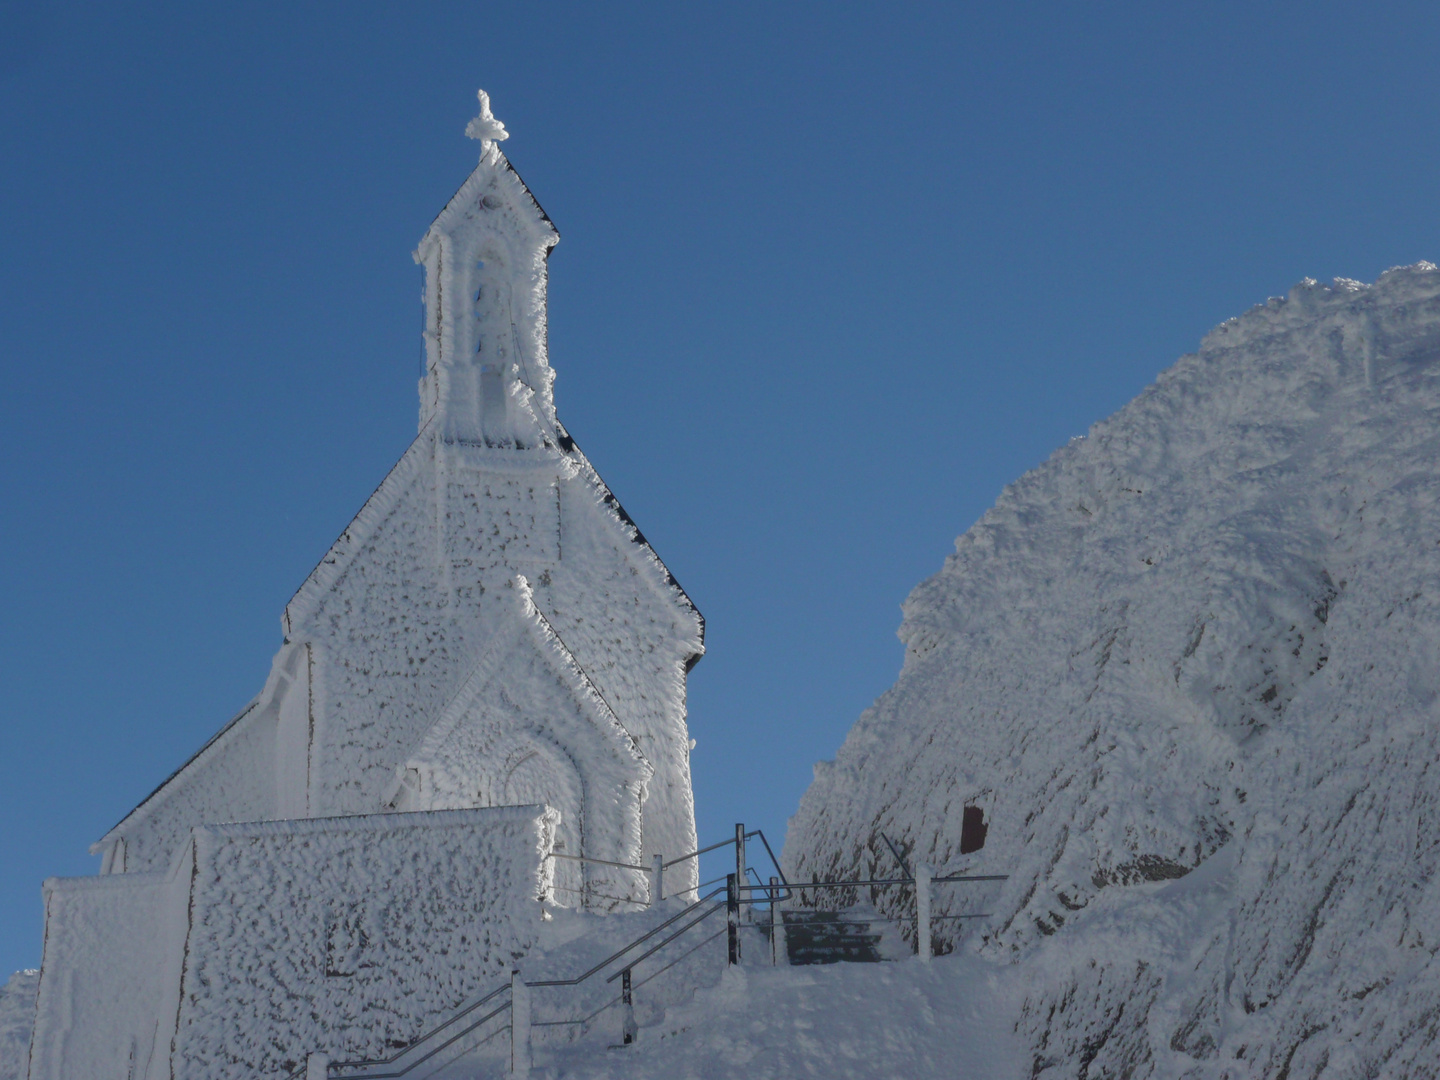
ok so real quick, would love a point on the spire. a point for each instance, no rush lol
(485, 127)
(487, 377)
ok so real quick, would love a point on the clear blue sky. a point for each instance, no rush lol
(831, 275)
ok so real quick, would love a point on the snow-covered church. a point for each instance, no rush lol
(483, 678)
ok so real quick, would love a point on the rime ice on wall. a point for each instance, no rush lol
(110, 973)
(384, 637)
(1207, 635)
(17, 1018)
(270, 940)
(351, 936)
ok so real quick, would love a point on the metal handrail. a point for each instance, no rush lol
(416, 1042)
(682, 956)
(427, 1035)
(702, 851)
(591, 893)
(640, 940)
(651, 952)
(887, 919)
(601, 862)
(877, 881)
(896, 852)
(621, 997)
(426, 1057)
(773, 861)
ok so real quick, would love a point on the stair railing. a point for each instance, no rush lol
(740, 894)
(444, 1037)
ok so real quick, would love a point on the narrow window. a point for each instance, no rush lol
(972, 830)
(492, 405)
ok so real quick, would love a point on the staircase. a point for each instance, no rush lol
(830, 937)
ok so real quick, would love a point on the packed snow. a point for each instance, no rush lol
(840, 1022)
(1189, 669)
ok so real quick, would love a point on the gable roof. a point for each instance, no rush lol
(381, 504)
(496, 173)
(525, 621)
(212, 746)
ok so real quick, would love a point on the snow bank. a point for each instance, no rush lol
(1205, 636)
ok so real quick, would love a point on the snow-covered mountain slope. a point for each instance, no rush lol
(1207, 635)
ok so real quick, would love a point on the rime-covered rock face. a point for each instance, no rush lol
(1189, 668)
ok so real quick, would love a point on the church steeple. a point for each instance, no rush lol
(487, 376)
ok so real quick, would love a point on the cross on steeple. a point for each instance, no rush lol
(485, 127)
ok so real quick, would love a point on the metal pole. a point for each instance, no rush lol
(519, 1026)
(777, 926)
(629, 1001)
(732, 916)
(657, 881)
(923, 874)
(740, 857)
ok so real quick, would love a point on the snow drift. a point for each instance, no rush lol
(1189, 670)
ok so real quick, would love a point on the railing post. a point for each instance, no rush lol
(317, 1067)
(778, 953)
(519, 1026)
(923, 873)
(629, 1001)
(740, 856)
(657, 881)
(732, 916)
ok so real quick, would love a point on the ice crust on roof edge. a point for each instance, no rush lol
(1207, 635)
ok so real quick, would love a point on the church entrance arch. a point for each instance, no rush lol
(537, 773)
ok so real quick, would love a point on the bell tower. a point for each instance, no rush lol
(488, 380)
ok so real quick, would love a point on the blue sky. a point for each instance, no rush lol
(831, 276)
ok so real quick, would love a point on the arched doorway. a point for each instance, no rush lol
(536, 773)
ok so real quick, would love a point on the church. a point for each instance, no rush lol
(478, 705)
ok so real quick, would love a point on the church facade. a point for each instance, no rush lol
(487, 669)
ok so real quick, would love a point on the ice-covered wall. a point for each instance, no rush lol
(110, 975)
(17, 1020)
(1205, 636)
(350, 936)
(612, 602)
(269, 940)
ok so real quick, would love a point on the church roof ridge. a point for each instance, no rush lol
(499, 165)
(140, 809)
(565, 657)
(668, 581)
